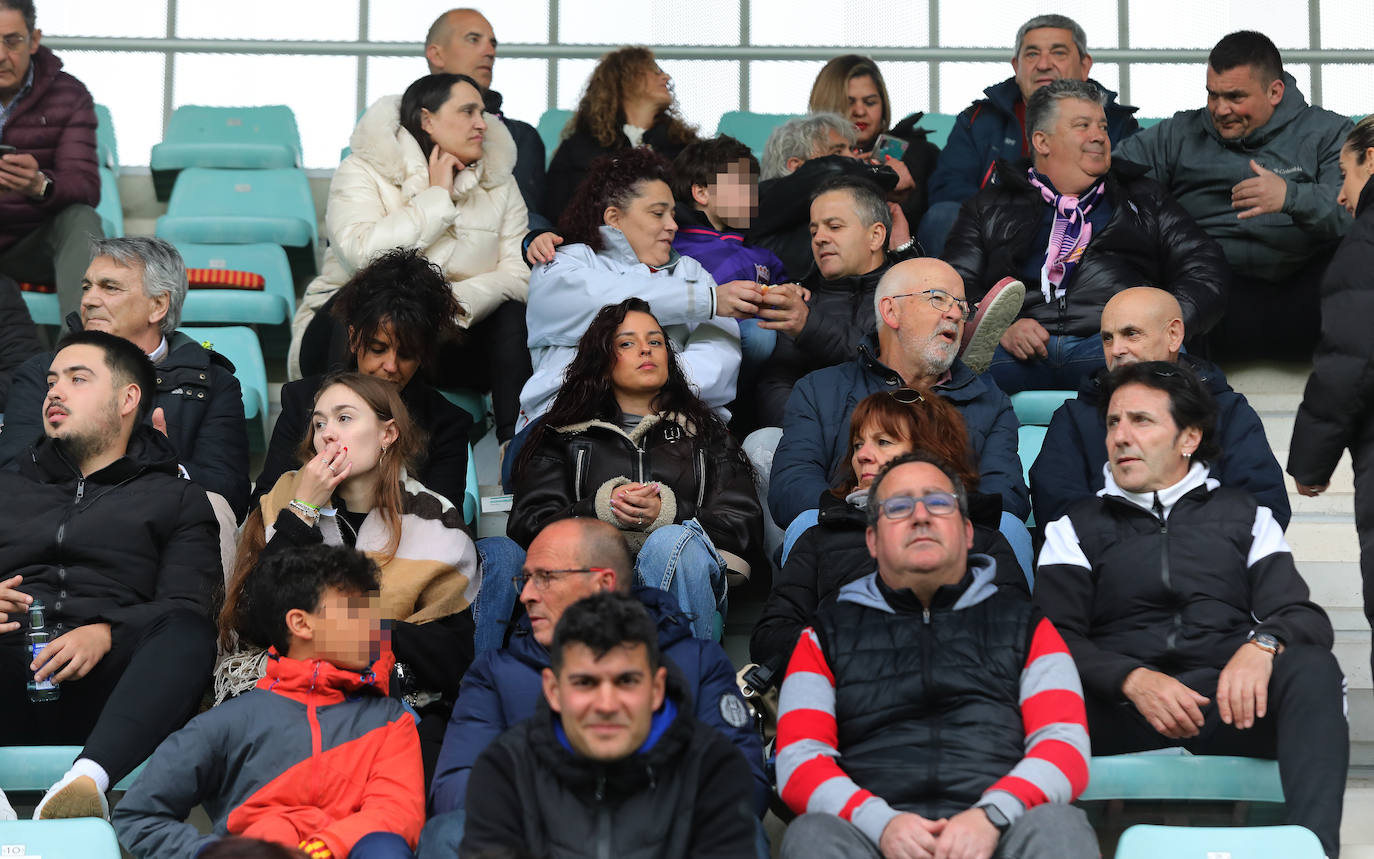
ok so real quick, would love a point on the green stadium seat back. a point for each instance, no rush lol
(1147, 841)
(110, 210)
(550, 130)
(234, 137)
(235, 207)
(273, 305)
(1037, 407)
(240, 345)
(1174, 774)
(43, 307)
(939, 125)
(106, 149)
(87, 837)
(37, 768)
(751, 129)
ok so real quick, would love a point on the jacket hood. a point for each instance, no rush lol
(148, 450)
(1290, 107)
(615, 246)
(975, 587)
(1199, 475)
(380, 140)
(1006, 94)
(297, 678)
(673, 626)
(636, 435)
(627, 776)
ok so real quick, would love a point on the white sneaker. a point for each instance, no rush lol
(6, 810)
(996, 312)
(73, 796)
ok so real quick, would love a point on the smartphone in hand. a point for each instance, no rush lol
(6, 149)
(885, 145)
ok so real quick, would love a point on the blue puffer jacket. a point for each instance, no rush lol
(988, 130)
(503, 686)
(1069, 467)
(815, 432)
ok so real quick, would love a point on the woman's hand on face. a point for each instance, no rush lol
(541, 249)
(442, 168)
(323, 473)
(636, 504)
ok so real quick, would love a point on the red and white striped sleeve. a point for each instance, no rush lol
(810, 778)
(1055, 767)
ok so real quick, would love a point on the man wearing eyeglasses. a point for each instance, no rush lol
(568, 560)
(926, 711)
(1185, 613)
(49, 182)
(1075, 227)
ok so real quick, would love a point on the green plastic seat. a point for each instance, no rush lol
(237, 207)
(273, 305)
(106, 150)
(1147, 121)
(87, 837)
(1029, 438)
(1176, 774)
(751, 129)
(110, 210)
(1037, 407)
(1147, 841)
(550, 130)
(240, 345)
(939, 125)
(256, 138)
(472, 503)
(43, 307)
(37, 768)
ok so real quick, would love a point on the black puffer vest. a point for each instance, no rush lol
(927, 701)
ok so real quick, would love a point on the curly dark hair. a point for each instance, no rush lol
(602, 622)
(601, 112)
(703, 160)
(587, 393)
(403, 288)
(612, 180)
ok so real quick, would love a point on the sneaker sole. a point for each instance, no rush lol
(997, 317)
(81, 798)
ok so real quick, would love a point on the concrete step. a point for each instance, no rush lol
(1319, 537)
(1334, 585)
(1267, 377)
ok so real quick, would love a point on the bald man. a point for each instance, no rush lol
(920, 309)
(568, 560)
(461, 42)
(1146, 324)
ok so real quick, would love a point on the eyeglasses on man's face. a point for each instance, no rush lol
(543, 578)
(941, 301)
(902, 506)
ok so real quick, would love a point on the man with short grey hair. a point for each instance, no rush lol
(1075, 228)
(134, 288)
(800, 155)
(1048, 48)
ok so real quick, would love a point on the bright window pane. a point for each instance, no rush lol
(963, 83)
(409, 20)
(267, 19)
(1190, 24)
(572, 77)
(103, 18)
(136, 111)
(523, 84)
(325, 115)
(705, 89)
(1160, 90)
(648, 22)
(781, 86)
(1345, 89)
(908, 85)
(993, 23)
(821, 22)
(1347, 24)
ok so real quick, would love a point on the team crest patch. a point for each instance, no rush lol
(733, 711)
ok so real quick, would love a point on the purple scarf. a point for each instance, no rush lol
(1070, 234)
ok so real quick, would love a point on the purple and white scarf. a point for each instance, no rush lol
(1070, 234)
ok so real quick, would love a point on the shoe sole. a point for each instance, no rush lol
(81, 798)
(997, 317)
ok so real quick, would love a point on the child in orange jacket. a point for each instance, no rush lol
(316, 756)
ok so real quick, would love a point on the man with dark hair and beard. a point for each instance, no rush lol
(123, 555)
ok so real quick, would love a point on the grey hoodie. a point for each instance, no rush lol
(1302, 143)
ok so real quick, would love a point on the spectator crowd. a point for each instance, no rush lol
(784, 376)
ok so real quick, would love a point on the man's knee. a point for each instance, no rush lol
(1308, 670)
(381, 845)
(1053, 829)
(824, 835)
(78, 221)
(442, 835)
(187, 630)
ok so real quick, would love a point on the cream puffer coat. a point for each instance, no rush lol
(380, 198)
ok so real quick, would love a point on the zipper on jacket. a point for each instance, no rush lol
(1171, 640)
(577, 472)
(80, 489)
(927, 642)
(701, 481)
(603, 828)
(639, 451)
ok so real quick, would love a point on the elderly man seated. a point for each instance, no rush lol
(1075, 228)
(1184, 611)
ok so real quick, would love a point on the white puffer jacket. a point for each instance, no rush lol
(380, 198)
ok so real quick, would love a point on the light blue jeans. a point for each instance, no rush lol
(681, 560)
(501, 559)
(804, 520)
(1070, 362)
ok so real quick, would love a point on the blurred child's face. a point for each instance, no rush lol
(348, 629)
(733, 199)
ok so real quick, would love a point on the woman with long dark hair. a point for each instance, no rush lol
(834, 552)
(627, 441)
(430, 171)
(628, 102)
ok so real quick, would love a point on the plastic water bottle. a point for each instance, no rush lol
(45, 690)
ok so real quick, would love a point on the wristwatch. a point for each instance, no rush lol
(996, 818)
(1266, 642)
(47, 187)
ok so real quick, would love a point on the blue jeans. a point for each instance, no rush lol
(442, 835)
(756, 344)
(1071, 361)
(804, 520)
(1020, 539)
(935, 226)
(680, 559)
(508, 462)
(381, 845)
(501, 559)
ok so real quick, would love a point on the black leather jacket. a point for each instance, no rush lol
(1149, 241)
(574, 469)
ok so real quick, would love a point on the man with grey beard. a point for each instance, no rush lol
(920, 310)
